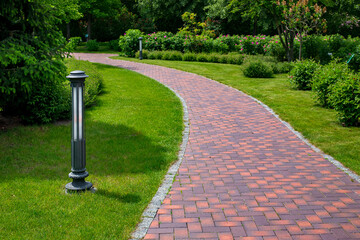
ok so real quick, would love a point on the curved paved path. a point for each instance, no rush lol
(245, 175)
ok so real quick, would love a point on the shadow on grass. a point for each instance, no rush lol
(125, 198)
(45, 152)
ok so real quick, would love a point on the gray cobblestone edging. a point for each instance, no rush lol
(150, 212)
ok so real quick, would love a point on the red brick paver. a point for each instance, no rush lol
(245, 175)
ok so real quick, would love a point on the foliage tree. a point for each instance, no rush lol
(166, 14)
(343, 17)
(301, 17)
(31, 53)
(98, 9)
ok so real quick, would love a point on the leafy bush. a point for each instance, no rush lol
(92, 45)
(223, 59)
(73, 43)
(345, 97)
(201, 57)
(354, 63)
(235, 59)
(176, 56)
(189, 57)
(166, 55)
(315, 47)
(257, 69)
(93, 84)
(145, 54)
(324, 77)
(302, 74)
(214, 57)
(114, 45)
(281, 67)
(155, 55)
(129, 43)
(49, 103)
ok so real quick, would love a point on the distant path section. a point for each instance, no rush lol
(246, 175)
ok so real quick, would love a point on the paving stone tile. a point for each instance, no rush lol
(245, 174)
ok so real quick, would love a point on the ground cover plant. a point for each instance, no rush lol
(319, 125)
(132, 136)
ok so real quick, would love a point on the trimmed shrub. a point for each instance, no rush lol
(114, 45)
(191, 57)
(302, 73)
(345, 98)
(145, 54)
(166, 55)
(50, 102)
(92, 45)
(176, 56)
(235, 59)
(281, 67)
(257, 69)
(323, 79)
(214, 57)
(202, 57)
(93, 84)
(223, 58)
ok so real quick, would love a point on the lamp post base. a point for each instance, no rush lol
(78, 185)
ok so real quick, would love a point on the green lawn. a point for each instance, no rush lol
(132, 136)
(320, 126)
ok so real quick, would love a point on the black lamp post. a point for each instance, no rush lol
(140, 46)
(78, 155)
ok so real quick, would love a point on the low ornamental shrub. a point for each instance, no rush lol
(345, 98)
(114, 45)
(323, 79)
(257, 69)
(93, 84)
(176, 56)
(145, 54)
(191, 57)
(73, 43)
(281, 67)
(50, 102)
(92, 45)
(236, 59)
(302, 74)
(202, 57)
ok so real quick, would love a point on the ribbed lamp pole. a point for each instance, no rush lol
(140, 48)
(78, 155)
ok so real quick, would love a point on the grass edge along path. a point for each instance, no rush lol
(318, 125)
(133, 135)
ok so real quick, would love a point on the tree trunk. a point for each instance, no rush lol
(89, 27)
(255, 26)
(68, 31)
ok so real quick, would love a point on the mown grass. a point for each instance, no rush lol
(319, 125)
(132, 136)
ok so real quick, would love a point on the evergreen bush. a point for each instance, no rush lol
(257, 69)
(345, 98)
(92, 45)
(302, 74)
(326, 76)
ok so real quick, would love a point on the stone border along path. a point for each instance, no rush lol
(245, 174)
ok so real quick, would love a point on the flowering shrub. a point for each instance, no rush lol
(320, 48)
(129, 43)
